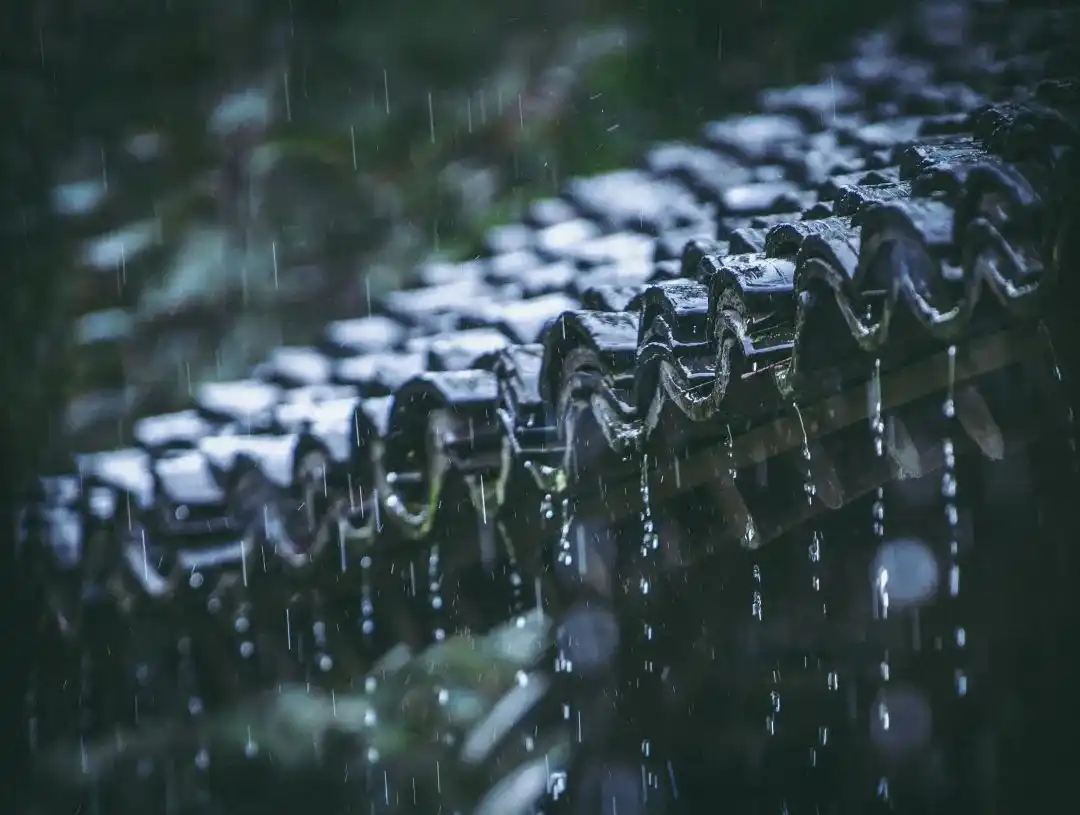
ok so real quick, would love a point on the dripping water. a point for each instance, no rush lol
(547, 508)
(650, 545)
(86, 716)
(732, 470)
(517, 594)
(949, 498)
(817, 538)
(323, 660)
(547, 516)
(435, 586)
(881, 578)
(756, 601)
(189, 689)
(242, 627)
(564, 554)
(31, 707)
(1070, 415)
(367, 602)
(513, 568)
(563, 663)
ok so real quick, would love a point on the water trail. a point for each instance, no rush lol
(650, 546)
(490, 531)
(517, 593)
(30, 703)
(949, 489)
(367, 621)
(86, 701)
(323, 659)
(817, 538)
(547, 508)
(367, 602)
(188, 676)
(756, 601)
(435, 585)
(563, 663)
(146, 691)
(1070, 414)
(242, 627)
(732, 470)
(881, 578)
(513, 571)
(350, 539)
(565, 555)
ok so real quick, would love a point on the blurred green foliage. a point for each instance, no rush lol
(419, 732)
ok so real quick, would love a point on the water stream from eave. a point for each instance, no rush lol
(435, 592)
(563, 663)
(814, 663)
(953, 633)
(949, 492)
(881, 578)
(649, 568)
